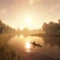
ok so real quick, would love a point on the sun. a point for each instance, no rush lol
(28, 21)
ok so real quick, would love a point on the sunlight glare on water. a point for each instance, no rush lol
(28, 45)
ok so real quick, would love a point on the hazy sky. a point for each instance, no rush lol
(15, 12)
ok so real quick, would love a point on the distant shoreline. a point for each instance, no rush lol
(45, 35)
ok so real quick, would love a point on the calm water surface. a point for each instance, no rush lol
(51, 48)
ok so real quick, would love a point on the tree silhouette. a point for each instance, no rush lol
(51, 28)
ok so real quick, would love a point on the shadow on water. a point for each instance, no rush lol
(52, 41)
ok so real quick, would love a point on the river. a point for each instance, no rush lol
(49, 47)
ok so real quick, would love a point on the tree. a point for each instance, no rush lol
(51, 28)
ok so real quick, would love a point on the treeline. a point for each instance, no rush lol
(6, 51)
(6, 33)
(52, 28)
(5, 28)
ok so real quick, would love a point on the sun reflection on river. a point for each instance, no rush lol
(28, 46)
(23, 44)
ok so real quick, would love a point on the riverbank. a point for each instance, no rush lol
(45, 35)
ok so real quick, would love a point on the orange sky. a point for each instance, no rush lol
(16, 12)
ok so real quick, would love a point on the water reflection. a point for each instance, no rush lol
(23, 44)
(52, 41)
(28, 46)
